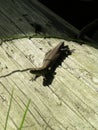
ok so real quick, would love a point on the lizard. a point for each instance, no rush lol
(50, 59)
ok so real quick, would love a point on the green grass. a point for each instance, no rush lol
(8, 111)
(24, 114)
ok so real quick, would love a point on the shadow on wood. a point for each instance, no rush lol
(49, 76)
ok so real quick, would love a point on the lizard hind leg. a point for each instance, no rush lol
(34, 78)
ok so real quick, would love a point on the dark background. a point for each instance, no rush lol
(76, 12)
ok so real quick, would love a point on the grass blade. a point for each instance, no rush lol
(24, 115)
(8, 111)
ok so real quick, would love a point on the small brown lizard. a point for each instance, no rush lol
(49, 61)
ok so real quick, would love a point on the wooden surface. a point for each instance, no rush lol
(70, 102)
(19, 19)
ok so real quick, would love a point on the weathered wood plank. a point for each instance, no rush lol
(20, 19)
(71, 100)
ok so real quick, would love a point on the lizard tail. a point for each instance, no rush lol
(38, 71)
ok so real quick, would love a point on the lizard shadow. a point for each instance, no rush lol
(50, 75)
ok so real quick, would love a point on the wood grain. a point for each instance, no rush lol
(71, 101)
